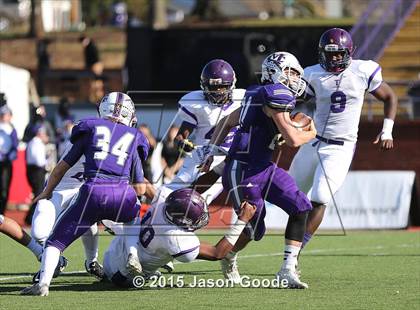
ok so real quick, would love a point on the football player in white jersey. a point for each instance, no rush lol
(48, 210)
(167, 232)
(200, 112)
(338, 85)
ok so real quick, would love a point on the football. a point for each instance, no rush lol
(301, 121)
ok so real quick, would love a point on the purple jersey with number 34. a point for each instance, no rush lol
(111, 149)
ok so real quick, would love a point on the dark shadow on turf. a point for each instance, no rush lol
(17, 274)
(10, 290)
(361, 255)
(198, 272)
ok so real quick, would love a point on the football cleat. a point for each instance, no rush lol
(230, 269)
(291, 278)
(154, 274)
(169, 267)
(35, 290)
(133, 265)
(62, 264)
(95, 269)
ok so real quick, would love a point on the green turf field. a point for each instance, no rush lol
(363, 270)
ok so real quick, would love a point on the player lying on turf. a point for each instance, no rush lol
(200, 112)
(167, 232)
(338, 85)
(251, 176)
(111, 149)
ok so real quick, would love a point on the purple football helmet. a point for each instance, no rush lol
(333, 41)
(186, 208)
(218, 81)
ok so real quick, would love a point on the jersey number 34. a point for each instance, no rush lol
(119, 149)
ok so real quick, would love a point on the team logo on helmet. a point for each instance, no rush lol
(217, 82)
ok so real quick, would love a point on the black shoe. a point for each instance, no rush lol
(62, 264)
(95, 269)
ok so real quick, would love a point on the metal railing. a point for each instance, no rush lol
(378, 26)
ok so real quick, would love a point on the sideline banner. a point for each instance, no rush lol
(367, 200)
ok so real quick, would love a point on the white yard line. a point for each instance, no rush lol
(315, 251)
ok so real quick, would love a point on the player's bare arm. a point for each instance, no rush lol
(55, 178)
(390, 100)
(225, 245)
(291, 135)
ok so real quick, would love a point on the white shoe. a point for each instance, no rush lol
(133, 265)
(230, 269)
(169, 267)
(292, 279)
(36, 290)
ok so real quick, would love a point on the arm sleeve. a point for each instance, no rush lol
(76, 151)
(78, 131)
(280, 99)
(187, 249)
(137, 175)
(187, 114)
(143, 147)
(373, 74)
(188, 255)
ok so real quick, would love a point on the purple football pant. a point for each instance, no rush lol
(96, 201)
(257, 184)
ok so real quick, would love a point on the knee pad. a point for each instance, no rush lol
(43, 220)
(321, 196)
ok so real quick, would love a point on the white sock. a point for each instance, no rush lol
(291, 253)
(231, 255)
(48, 264)
(131, 236)
(35, 248)
(90, 244)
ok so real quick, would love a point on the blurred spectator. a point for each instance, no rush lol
(43, 63)
(39, 117)
(95, 66)
(171, 160)
(119, 14)
(147, 169)
(64, 135)
(63, 123)
(63, 112)
(414, 94)
(36, 160)
(8, 151)
(91, 53)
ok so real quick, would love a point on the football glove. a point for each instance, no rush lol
(186, 146)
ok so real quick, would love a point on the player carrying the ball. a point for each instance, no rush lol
(249, 173)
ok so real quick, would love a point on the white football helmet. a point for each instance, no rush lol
(118, 107)
(276, 68)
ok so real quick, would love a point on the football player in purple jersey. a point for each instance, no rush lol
(114, 152)
(250, 175)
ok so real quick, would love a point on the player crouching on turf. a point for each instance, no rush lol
(167, 232)
(113, 151)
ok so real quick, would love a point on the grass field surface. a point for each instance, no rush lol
(363, 270)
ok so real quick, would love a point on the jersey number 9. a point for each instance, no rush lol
(338, 102)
